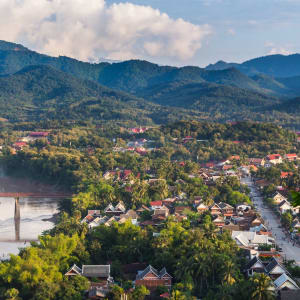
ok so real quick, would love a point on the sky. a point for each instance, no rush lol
(173, 32)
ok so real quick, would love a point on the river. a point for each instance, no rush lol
(36, 214)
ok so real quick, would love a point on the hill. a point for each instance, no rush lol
(41, 93)
(129, 76)
(273, 65)
(209, 97)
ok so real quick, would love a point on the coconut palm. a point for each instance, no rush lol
(262, 287)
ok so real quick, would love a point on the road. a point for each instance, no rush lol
(290, 252)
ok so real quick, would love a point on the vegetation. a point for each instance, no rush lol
(38, 87)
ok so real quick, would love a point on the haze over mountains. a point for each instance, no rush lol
(34, 85)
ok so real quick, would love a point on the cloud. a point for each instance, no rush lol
(231, 31)
(273, 49)
(279, 50)
(91, 29)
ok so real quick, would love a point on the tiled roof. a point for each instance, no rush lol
(102, 271)
(282, 279)
(273, 263)
(142, 274)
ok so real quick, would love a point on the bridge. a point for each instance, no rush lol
(17, 214)
(35, 195)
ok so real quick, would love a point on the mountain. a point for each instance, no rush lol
(129, 76)
(42, 92)
(36, 86)
(209, 97)
(276, 65)
(291, 106)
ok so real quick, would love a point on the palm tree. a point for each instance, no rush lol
(262, 287)
(229, 272)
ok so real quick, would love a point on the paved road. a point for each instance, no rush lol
(290, 252)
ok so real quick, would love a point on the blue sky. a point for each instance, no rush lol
(174, 32)
(242, 29)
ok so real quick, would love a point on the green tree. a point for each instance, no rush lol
(261, 287)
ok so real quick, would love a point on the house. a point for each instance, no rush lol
(94, 212)
(130, 215)
(274, 269)
(278, 198)
(255, 266)
(274, 159)
(258, 162)
(156, 205)
(152, 279)
(284, 206)
(19, 145)
(291, 157)
(284, 282)
(117, 210)
(215, 209)
(98, 221)
(251, 239)
(74, 271)
(201, 208)
(163, 211)
(227, 210)
(101, 272)
(219, 221)
(284, 175)
(39, 134)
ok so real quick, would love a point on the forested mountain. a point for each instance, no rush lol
(42, 92)
(205, 96)
(273, 65)
(34, 85)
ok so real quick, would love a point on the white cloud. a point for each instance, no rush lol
(89, 29)
(231, 31)
(279, 50)
(272, 48)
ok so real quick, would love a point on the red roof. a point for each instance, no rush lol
(273, 156)
(236, 157)
(20, 144)
(291, 155)
(156, 203)
(285, 174)
(39, 133)
(227, 167)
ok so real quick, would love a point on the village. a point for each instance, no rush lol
(244, 219)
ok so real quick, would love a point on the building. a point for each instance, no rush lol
(101, 272)
(152, 279)
(274, 159)
(291, 157)
(115, 210)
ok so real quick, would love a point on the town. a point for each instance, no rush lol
(247, 198)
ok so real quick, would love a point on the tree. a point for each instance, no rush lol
(139, 293)
(12, 294)
(261, 287)
(296, 198)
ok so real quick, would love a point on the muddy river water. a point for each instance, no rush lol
(36, 214)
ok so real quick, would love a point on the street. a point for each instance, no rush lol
(289, 251)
